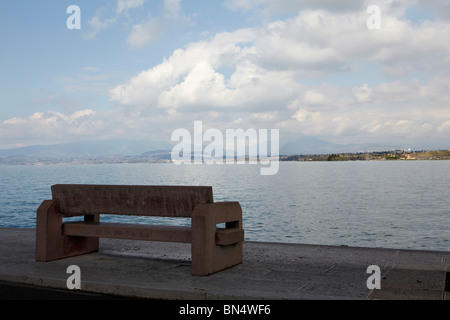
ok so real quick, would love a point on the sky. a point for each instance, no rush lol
(140, 69)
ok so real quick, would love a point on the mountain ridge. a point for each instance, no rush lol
(312, 145)
(146, 148)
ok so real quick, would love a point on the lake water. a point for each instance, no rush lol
(398, 204)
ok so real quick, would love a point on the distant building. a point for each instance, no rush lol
(407, 156)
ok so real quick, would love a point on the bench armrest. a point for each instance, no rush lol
(219, 212)
(214, 250)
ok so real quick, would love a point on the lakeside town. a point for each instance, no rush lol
(370, 156)
(164, 156)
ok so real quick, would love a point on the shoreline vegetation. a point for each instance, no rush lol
(371, 156)
(165, 157)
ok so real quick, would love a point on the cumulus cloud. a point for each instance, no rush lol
(277, 6)
(313, 44)
(144, 33)
(268, 68)
(320, 72)
(172, 9)
(387, 110)
(105, 17)
(186, 75)
(124, 5)
(52, 126)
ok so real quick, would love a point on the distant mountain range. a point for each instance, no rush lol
(120, 149)
(312, 145)
(81, 149)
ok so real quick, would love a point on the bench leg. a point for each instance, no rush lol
(207, 256)
(51, 244)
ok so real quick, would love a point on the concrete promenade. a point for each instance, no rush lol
(139, 269)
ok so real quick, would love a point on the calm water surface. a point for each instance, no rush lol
(398, 204)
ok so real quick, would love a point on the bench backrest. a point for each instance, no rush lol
(165, 201)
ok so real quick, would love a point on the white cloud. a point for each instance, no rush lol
(182, 76)
(315, 98)
(147, 32)
(306, 116)
(172, 9)
(202, 86)
(444, 127)
(265, 117)
(388, 112)
(15, 121)
(52, 126)
(283, 74)
(142, 34)
(277, 6)
(99, 22)
(124, 5)
(362, 94)
(266, 68)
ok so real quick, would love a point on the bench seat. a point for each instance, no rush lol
(181, 234)
(212, 248)
(128, 231)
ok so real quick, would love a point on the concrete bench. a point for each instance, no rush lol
(213, 248)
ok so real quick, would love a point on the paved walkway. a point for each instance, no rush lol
(269, 271)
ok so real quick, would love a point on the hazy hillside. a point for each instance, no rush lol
(88, 149)
(312, 145)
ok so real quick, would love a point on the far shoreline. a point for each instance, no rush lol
(164, 157)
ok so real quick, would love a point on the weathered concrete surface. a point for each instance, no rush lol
(212, 249)
(270, 271)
